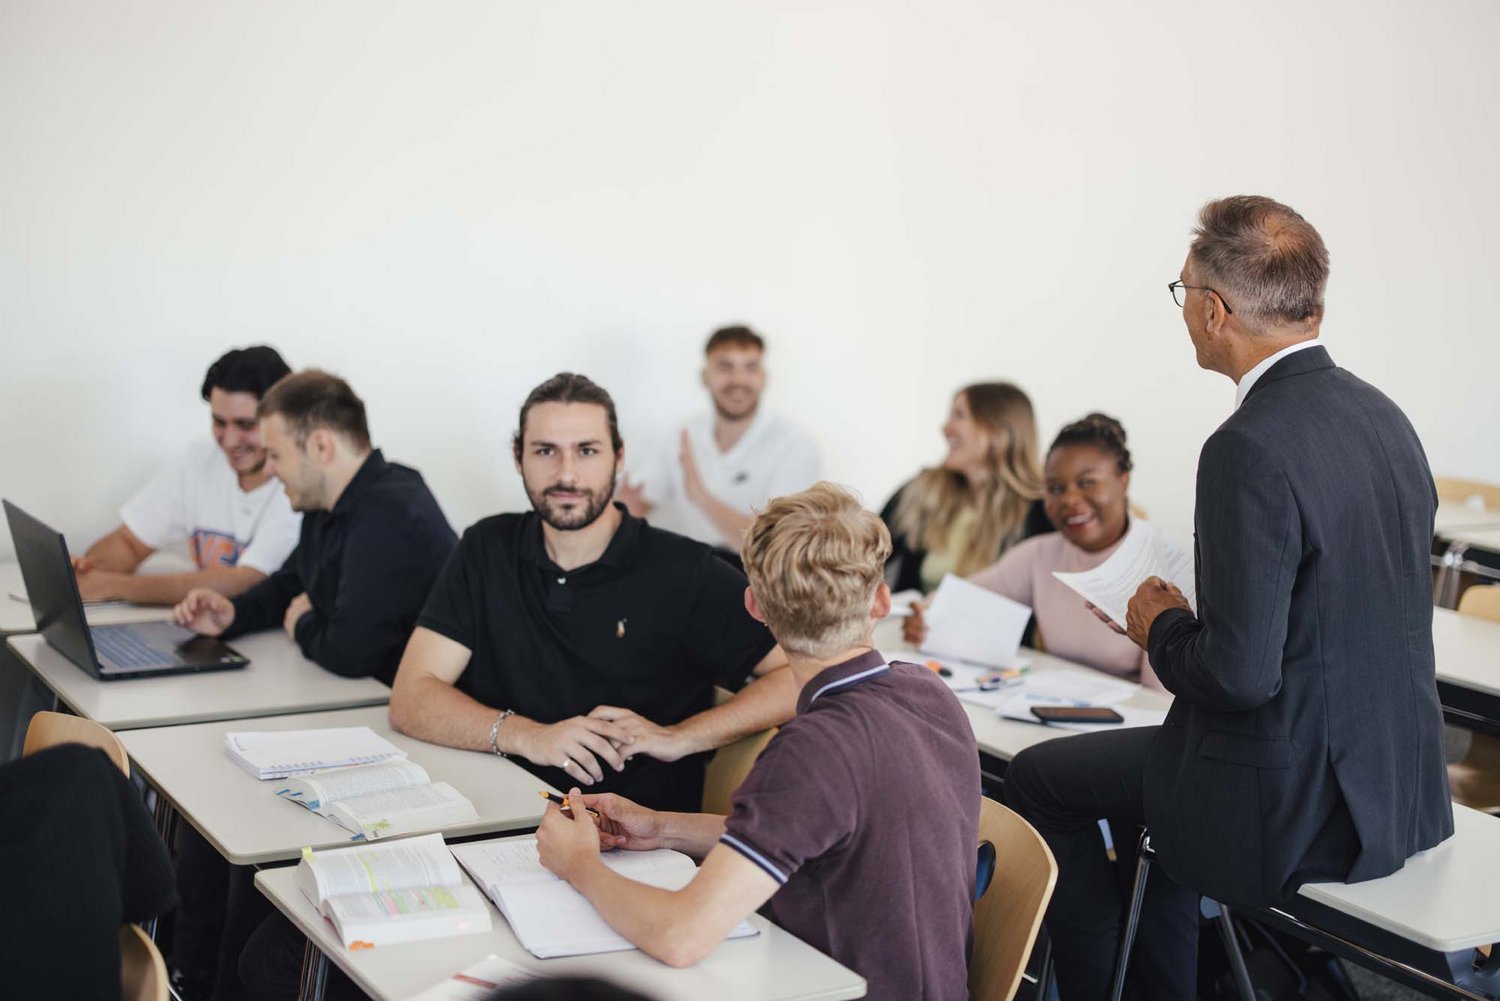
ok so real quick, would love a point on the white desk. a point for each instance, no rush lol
(1005, 738)
(1467, 651)
(244, 819)
(16, 617)
(772, 966)
(1454, 520)
(1444, 898)
(278, 680)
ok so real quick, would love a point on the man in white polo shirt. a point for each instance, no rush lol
(727, 463)
(217, 497)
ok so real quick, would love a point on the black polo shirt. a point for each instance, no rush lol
(651, 626)
(366, 565)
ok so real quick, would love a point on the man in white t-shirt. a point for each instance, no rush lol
(726, 464)
(217, 498)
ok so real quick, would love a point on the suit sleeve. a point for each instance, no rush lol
(1228, 657)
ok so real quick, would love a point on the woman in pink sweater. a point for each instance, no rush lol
(1087, 478)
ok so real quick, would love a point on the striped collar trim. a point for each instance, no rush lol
(850, 672)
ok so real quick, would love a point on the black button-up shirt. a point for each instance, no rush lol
(650, 626)
(366, 565)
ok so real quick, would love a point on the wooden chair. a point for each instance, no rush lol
(730, 764)
(143, 972)
(48, 729)
(1007, 916)
(1459, 491)
(1475, 781)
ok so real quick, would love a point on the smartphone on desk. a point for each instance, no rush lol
(1076, 714)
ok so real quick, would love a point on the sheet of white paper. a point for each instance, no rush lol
(1144, 553)
(964, 681)
(476, 983)
(1018, 707)
(972, 624)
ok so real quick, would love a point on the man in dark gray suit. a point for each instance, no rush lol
(1305, 741)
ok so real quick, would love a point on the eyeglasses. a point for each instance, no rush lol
(1180, 297)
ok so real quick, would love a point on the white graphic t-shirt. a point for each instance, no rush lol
(198, 499)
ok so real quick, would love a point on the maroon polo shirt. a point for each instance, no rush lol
(865, 808)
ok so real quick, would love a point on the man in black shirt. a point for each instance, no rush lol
(579, 639)
(373, 538)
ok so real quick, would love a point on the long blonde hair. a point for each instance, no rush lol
(935, 498)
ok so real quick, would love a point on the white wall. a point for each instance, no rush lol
(448, 202)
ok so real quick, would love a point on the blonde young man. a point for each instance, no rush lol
(859, 821)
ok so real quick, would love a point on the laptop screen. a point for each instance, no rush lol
(51, 587)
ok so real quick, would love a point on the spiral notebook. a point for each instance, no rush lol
(274, 754)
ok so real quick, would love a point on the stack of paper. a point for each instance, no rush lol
(274, 754)
(1144, 553)
(970, 623)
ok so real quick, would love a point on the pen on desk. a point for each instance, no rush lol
(562, 801)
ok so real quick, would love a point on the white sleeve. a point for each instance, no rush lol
(158, 514)
(275, 537)
(796, 469)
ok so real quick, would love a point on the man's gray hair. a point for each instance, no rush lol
(1263, 258)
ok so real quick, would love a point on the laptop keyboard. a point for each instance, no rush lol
(125, 648)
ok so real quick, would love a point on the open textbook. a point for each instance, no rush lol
(1144, 553)
(274, 754)
(973, 624)
(549, 917)
(379, 801)
(398, 891)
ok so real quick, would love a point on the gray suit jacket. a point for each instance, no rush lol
(1305, 742)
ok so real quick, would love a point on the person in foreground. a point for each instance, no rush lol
(985, 496)
(1087, 481)
(578, 639)
(218, 497)
(1305, 740)
(859, 821)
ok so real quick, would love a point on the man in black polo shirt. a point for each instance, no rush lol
(373, 539)
(580, 640)
(859, 821)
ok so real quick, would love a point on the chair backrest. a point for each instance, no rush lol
(1459, 491)
(1007, 917)
(730, 764)
(143, 973)
(48, 729)
(1482, 600)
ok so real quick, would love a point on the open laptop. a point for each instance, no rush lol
(141, 650)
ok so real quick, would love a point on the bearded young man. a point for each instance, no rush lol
(580, 640)
(724, 465)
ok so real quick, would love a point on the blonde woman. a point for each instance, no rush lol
(985, 496)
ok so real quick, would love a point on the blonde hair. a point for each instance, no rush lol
(814, 560)
(933, 501)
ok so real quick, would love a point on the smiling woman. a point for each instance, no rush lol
(983, 498)
(1087, 483)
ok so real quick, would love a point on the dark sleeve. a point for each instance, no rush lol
(796, 805)
(449, 610)
(721, 637)
(1249, 542)
(903, 568)
(265, 604)
(1037, 522)
(387, 569)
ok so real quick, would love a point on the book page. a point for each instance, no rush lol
(408, 915)
(970, 623)
(322, 789)
(1144, 553)
(276, 753)
(391, 865)
(401, 811)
